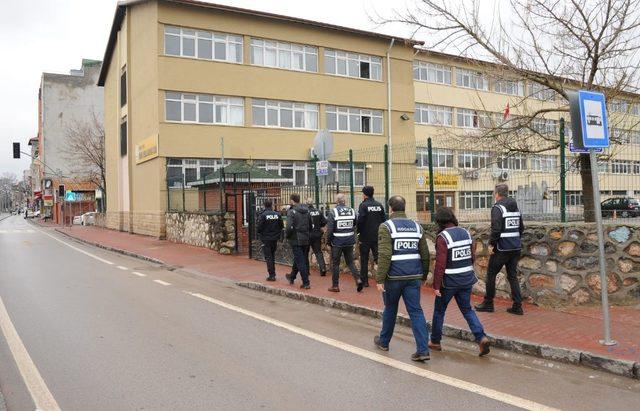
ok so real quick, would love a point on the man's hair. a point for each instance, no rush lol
(368, 191)
(309, 201)
(444, 216)
(341, 199)
(267, 203)
(502, 190)
(295, 198)
(397, 203)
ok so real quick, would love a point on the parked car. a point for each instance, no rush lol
(33, 214)
(624, 207)
(89, 218)
(77, 220)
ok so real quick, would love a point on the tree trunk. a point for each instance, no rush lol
(587, 188)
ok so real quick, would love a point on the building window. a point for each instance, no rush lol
(123, 136)
(432, 73)
(342, 63)
(204, 108)
(573, 198)
(473, 119)
(441, 158)
(204, 45)
(433, 115)
(619, 106)
(340, 173)
(354, 120)
(545, 126)
(515, 162)
(544, 163)
(473, 200)
(622, 167)
(283, 55)
(621, 136)
(185, 171)
(540, 92)
(285, 114)
(471, 79)
(514, 88)
(301, 172)
(474, 159)
(123, 86)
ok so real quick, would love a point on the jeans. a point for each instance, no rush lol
(269, 249)
(316, 246)
(364, 258)
(409, 290)
(496, 262)
(300, 256)
(336, 253)
(463, 299)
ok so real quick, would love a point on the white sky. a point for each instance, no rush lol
(54, 36)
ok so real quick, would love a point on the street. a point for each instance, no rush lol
(106, 331)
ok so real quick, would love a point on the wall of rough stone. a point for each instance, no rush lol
(213, 231)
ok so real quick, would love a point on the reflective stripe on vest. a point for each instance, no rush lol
(459, 262)
(405, 238)
(343, 230)
(510, 235)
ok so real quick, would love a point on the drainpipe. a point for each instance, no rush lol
(389, 140)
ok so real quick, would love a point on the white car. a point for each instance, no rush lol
(89, 218)
(77, 220)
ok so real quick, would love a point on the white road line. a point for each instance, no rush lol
(421, 372)
(161, 282)
(76, 248)
(39, 391)
(122, 267)
(139, 274)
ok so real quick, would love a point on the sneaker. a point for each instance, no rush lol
(485, 306)
(435, 347)
(420, 356)
(334, 289)
(271, 278)
(359, 285)
(376, 341)
(289, 278)
(515, 310)
(305, 286)
(484, 346)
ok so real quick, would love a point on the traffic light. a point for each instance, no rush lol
(61, 191)
(16, 150)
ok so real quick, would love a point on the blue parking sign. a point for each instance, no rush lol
(593, 119)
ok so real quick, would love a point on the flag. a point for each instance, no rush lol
(505, 117)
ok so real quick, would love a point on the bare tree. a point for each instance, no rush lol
(8, 183)
(85, 151)
(559, 45)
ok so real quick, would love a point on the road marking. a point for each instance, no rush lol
(139, 274)
(161, 282)
(17, 231)
(421, 372)
(76, 248)
(122, 267)
(42, 397)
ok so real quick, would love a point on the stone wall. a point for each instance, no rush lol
(214, 231)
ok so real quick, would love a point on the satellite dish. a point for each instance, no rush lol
(323, 144)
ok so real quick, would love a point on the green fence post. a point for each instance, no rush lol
(184, 205)
(351, 184)
(168, 195)
(432, 194)
(386, 178)
(204, 193)
(316, 181)
(563, 175)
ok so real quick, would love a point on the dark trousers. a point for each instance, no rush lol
(316, 247)
(463, 299)
(409, 290)
(300, 262)
(508, 259)
(269, 249)
(336, 253)
(365, 247)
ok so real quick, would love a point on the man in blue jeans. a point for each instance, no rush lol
(403, 265)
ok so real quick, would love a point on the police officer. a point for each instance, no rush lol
(504, 247)
(403, 265)
(269, 228)
(318, 222)
(370, 215)
(341, 226)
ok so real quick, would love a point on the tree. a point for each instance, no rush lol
(7, 183)
(560, 46)
(85, 150)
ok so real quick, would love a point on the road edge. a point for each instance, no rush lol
(587, 359)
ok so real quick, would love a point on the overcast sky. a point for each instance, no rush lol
(54, 35)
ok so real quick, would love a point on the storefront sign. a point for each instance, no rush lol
(441, 181)
(147, 149)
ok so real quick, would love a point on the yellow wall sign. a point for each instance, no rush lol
(440, 180)
(147, 149)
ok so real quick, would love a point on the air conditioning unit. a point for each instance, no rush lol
(504, 176)
(472, 175)
(496, 172)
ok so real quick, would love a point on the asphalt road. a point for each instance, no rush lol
(104, 331)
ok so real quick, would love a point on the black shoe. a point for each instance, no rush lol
(376, 341)
(515, 310)
(289, 278)
(485, 306)
(305, 286)
(270, 278)
(360, 285)
(420, 356)
(323, 274)
(484, 346)
(366, 284)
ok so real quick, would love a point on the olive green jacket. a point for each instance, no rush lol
(385, 250)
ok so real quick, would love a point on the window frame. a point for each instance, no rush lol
(229, 102)
(283, 47)
(432, 68)
(341, 111)
(351, 57)
(474, 77)
(432, 110)
(230, 40)
(281, 105)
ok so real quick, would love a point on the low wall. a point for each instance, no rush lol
(213, 231)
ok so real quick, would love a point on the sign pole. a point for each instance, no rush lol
(604, 289)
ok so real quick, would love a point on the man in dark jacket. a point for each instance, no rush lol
(318, 222)
(504, 247)
(298, 233)
(370, 215)
(269, 229)
(341, 226)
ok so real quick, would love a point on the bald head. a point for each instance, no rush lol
(397, 203)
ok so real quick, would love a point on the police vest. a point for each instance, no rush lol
(343, 231)
(510, 234)
(405, 256)
(459, 271)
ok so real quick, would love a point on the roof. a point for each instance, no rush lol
(122, 5)
(256, 175)
(33, 140)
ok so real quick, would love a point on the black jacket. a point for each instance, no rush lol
(370, 215)
(497, 221)
(318, 221)
(298, 225)
(270, 225)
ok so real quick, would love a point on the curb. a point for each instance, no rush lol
(622, 368)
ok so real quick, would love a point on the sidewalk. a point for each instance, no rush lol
(570, 336)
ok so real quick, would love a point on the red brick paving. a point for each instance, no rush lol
(579, 328)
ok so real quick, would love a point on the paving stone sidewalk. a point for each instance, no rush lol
(576, 332)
